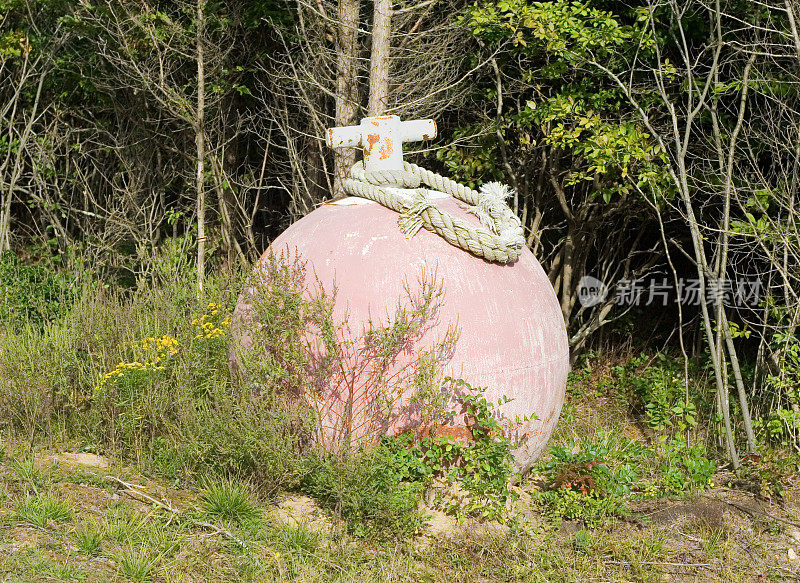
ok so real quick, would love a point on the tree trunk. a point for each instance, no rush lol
(379, 59)
(346, 85)
(199, 139)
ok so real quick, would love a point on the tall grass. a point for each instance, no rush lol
(143, 375)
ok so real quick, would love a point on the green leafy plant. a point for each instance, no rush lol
(590, 478)
(661, 390)
(33, 292)
(481, 467)
(771, 471)
(684, 467)
(368, 491)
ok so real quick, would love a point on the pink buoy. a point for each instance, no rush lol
(512, 336)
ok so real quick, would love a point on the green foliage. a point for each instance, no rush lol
(40, 510)
(372, 489)
(592, 508)
(31, 478)
(684, 468)
(771, 471)
(661, 390)
(33, 292)
(481, 466)
(781, 424)
(576, 114)
(231, 501)
(590, 479)
(89, 540)
(368, 491)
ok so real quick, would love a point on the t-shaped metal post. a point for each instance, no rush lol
(382, 139)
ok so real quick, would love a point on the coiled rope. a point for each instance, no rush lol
(500, 239)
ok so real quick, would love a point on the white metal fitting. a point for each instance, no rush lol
(382, 139)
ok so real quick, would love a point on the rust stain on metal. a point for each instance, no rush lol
(457, 432)
(386, 149)
(372, 139)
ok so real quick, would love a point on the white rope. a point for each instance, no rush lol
(500, 239)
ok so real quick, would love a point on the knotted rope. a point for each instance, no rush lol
(500, 239)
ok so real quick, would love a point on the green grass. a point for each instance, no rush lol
(41, 510)
(136, 564)
(29, 475)
(230, 501)
(89, 540)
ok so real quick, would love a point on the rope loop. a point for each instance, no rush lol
(501, 237)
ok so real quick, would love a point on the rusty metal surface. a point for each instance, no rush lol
(512, 335)
(389, 132)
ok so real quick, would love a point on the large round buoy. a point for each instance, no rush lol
(512, 340)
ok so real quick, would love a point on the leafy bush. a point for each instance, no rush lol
(367, 491)
(771, 471)
(661, 390)
(590, 479)
(684, 467)
(34, 292)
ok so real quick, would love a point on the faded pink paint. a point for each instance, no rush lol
(512, 335)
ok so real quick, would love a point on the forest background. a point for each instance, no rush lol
(655, 142)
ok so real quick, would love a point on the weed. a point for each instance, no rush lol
(89, 540)
(367, 491)
(40, 510)
(30, 476)
(136, 564)
(351, 381)
(299, 538)
(771, 471)
(714, 541)
(33, 293)
(230, 501)
(684, 467)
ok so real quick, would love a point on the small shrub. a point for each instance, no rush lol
(367, 491)
(771, 471)
(661, 392)
(34, 293)
(685, 467)
(590, 479)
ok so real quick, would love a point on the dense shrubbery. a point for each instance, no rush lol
(144, 375)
